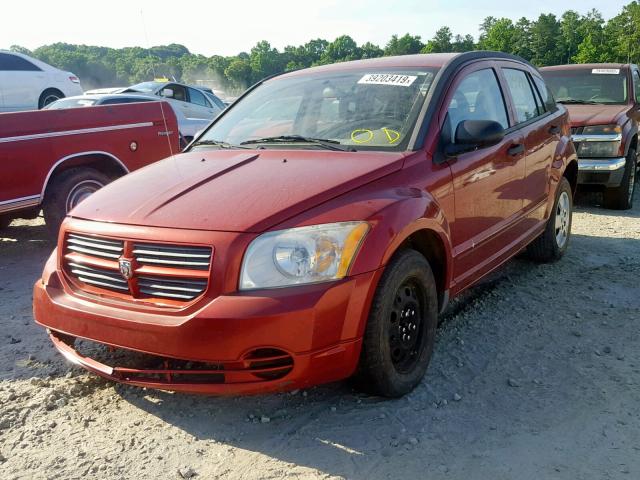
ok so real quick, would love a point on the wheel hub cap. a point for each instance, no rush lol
(563, 219)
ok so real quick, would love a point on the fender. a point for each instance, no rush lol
(76, 155)
(564, 155)
(629, 130)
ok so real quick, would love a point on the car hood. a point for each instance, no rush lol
(234, 190)
(583, 115)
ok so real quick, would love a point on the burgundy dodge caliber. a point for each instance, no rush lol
(316, 229)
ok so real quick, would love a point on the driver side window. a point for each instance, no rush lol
(477, 97)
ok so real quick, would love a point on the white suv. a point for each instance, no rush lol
(29, 84)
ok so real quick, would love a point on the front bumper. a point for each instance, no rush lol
(607, 172)
(319, 327)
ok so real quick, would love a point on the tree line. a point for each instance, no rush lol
(547, 40)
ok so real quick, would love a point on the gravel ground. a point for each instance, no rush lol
(536, 375)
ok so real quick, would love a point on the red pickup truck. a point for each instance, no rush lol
(54, 159)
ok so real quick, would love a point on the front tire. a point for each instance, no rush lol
(67, 190)
(621, 198)
(400, 333)
(551, 245)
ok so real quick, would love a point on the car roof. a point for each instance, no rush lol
(583, 66)
(423, 60)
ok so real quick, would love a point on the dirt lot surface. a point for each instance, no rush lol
(536, 375)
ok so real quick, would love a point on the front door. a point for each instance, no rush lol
(487, 181)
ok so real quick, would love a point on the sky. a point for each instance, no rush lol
(227, 28)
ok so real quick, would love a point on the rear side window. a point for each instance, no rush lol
(545, 93)
(197, 97)
(523, 97)
(477, 97)
(14, 63)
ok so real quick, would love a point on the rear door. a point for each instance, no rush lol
(487, 181)
(22, 83)
(200, 106)
(535, 115)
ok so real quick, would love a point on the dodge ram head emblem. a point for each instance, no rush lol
(125, 268)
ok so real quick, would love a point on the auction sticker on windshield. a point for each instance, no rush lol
(387, 79)
(606, 71)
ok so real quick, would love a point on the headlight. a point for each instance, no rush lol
(318, 253)
(598, 149)
(602, 130)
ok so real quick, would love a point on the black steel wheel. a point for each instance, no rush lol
(400, 333)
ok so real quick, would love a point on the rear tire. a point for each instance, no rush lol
(621, 198)
(400, 333)
(49, 96)
(551, 245)
(68, 189)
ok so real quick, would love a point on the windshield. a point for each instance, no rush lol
(588, 85)
(147, 87)
(71, 103)
(364, 109)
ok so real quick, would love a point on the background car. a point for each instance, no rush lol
(29, 84)
(192, 101)
(188, 126)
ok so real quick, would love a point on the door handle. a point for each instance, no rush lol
(554, 130)
(516, 149)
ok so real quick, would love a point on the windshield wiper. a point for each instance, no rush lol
(216, 143)
(573, 101)
(324, 142)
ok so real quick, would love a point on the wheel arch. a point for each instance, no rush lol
(431, 240)
(571, 174)
(104, 162)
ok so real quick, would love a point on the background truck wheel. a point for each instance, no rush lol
(400, 333)
(551, 245)
(50, 95)
(5, 220)
(67, 190)
(621, 198)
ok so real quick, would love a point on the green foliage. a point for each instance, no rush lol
(405, 45)
(547, 40)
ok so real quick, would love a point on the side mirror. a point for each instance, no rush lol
(473, 134)
(167, 93)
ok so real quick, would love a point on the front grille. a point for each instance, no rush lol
(161, 273)
(196, 258)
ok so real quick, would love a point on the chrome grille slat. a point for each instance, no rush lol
(91, 281)
(116, 243)
(85, 243)
(172, 287)
(95, 273)
(156, 293)
(90, 251)
(172, 262)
